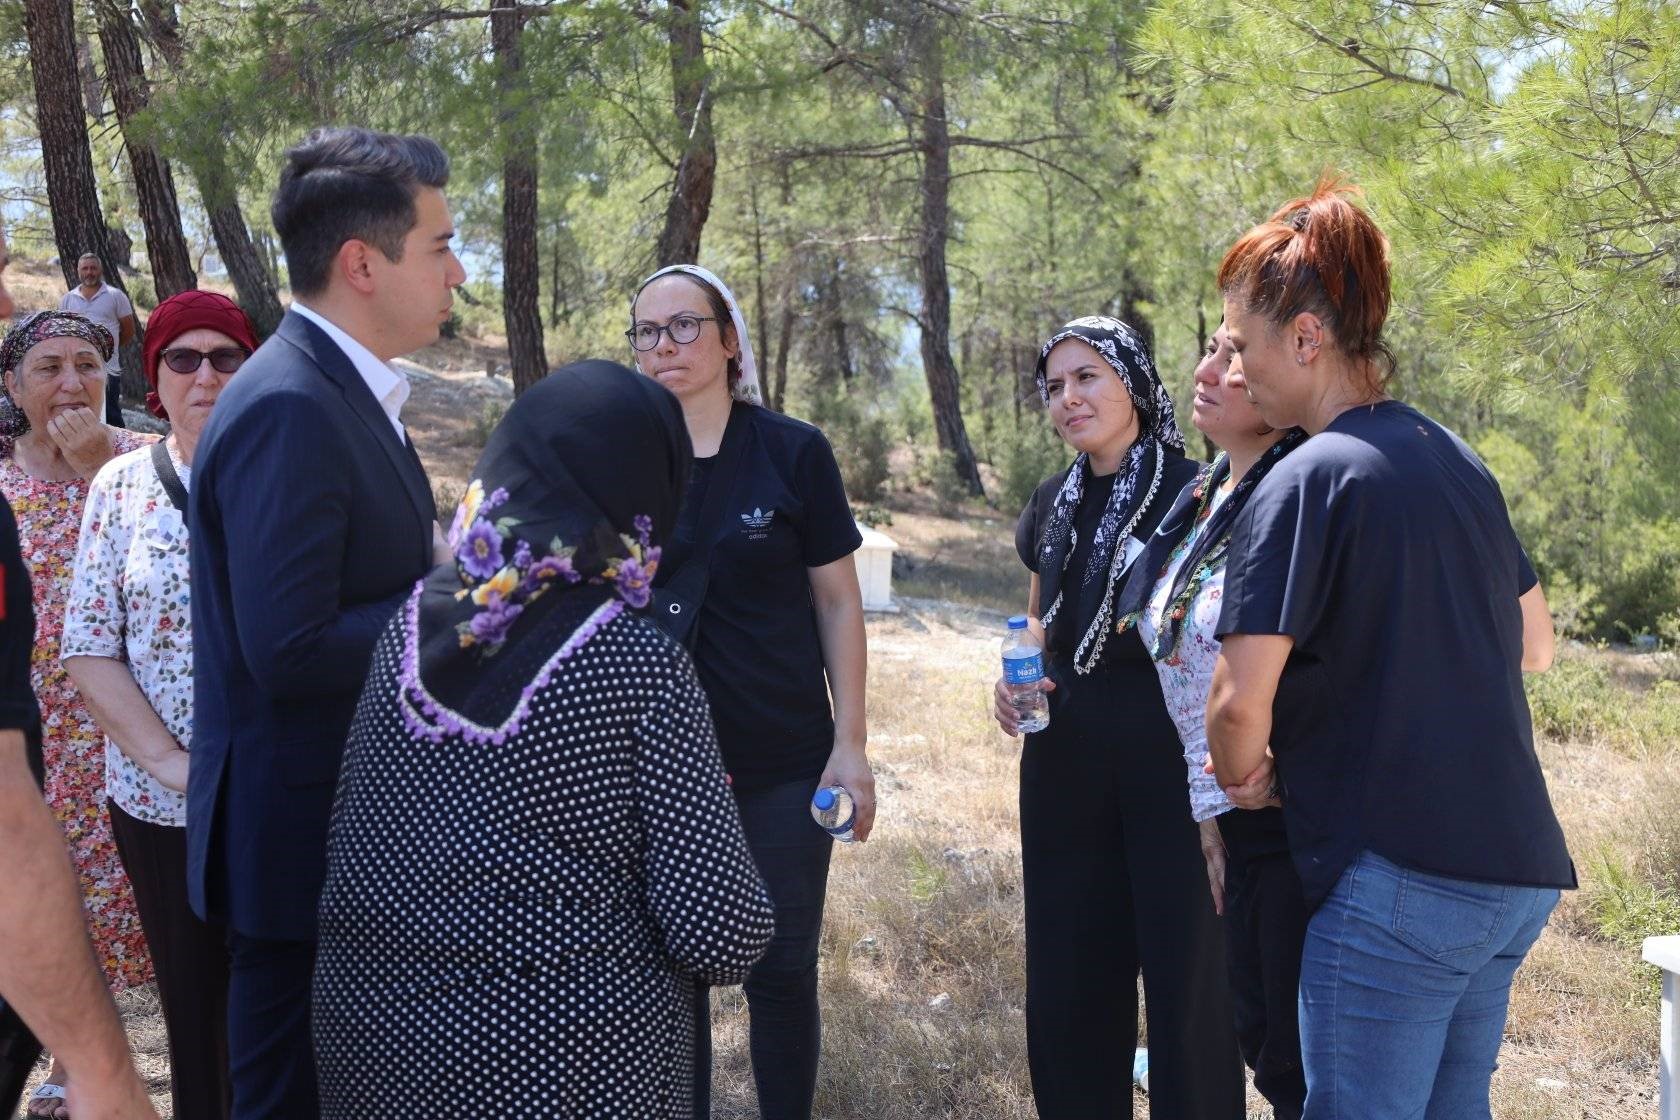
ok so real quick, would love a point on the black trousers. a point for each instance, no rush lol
(785, 1025)
(271, 1053)
(1265, 927)
(1115, 883)
(190, 958)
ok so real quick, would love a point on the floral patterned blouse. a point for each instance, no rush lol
(49, 519)
(129, 601)
(1187, 676)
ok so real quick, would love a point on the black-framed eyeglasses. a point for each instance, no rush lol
(223, 359)
(684, 328)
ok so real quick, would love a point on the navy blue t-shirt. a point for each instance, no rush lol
(1383, 547)
(757, 650)
(18, 709)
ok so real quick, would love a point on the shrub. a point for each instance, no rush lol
(1580, 700)
(873, 517)
(861, 439)
(1032, 456)
(1627, 909)
(488, 418)
(949, 489)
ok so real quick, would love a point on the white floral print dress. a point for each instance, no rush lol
(129, 600)
(1187, 675)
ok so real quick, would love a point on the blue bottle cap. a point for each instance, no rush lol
(1018, 622)
(824, 799)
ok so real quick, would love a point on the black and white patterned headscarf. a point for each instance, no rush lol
(1134, 489)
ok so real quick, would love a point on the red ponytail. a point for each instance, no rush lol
(1322, 255)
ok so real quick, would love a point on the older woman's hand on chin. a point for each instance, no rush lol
(83, 439)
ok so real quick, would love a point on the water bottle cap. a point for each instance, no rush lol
(824, 799)
(1018, 622)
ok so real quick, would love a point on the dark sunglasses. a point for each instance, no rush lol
(223, 359)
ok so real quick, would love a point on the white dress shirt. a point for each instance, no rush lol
(388, 384)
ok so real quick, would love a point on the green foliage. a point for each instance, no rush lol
(1523, 159)
(1627, 909)
(861, 438)
(874, 517)
(949, 490)
(1034, 455)
(1580, 699)
(488, 417)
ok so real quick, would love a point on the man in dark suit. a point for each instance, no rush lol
(311, 518)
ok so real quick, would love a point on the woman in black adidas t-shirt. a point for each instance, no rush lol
(776, 632)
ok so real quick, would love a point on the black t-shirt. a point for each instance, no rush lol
(1383, 547)
(1063, 636)
(757, 649)
(18, 709)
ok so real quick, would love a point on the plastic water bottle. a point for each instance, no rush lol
(1023, 668)
(832, 808)
(1140, 1068)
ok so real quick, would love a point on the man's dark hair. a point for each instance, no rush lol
(340, 184)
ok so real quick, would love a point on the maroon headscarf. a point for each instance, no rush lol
(189, 311)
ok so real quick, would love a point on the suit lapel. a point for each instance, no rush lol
(341, 371)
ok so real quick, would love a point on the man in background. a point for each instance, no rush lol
(111, 309)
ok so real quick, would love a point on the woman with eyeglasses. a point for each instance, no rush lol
(128, 647)
(52, 441)
(759, 583)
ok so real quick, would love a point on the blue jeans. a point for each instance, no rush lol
(1405, 980)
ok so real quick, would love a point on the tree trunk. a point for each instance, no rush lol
(166, 246)
(691, 194)
(937, 364)
(252, 281)
(784, 343)
(761, 308)
(521, 268)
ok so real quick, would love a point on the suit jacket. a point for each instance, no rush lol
(310, 522)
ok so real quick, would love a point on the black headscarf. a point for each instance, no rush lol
(1207, 552)
(559, 532)
(1092, 591)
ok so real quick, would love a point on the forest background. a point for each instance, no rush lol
(908, 195)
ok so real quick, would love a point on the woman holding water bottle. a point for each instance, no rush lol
(759, 581)
(1112, 865)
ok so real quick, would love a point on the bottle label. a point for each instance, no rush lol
(1023, 666)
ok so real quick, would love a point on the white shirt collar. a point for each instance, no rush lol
(387, 383)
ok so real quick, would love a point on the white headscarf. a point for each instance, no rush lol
(746, 386)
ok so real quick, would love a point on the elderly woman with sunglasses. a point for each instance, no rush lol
(128, 646)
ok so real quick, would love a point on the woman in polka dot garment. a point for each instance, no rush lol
(534, 855)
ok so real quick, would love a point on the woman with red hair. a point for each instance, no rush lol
(128, 646)
(1378, 614)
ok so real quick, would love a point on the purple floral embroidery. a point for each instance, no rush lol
(480, 554)
(632, 574)
(501, 588)
(429, 720)
(635, 582)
